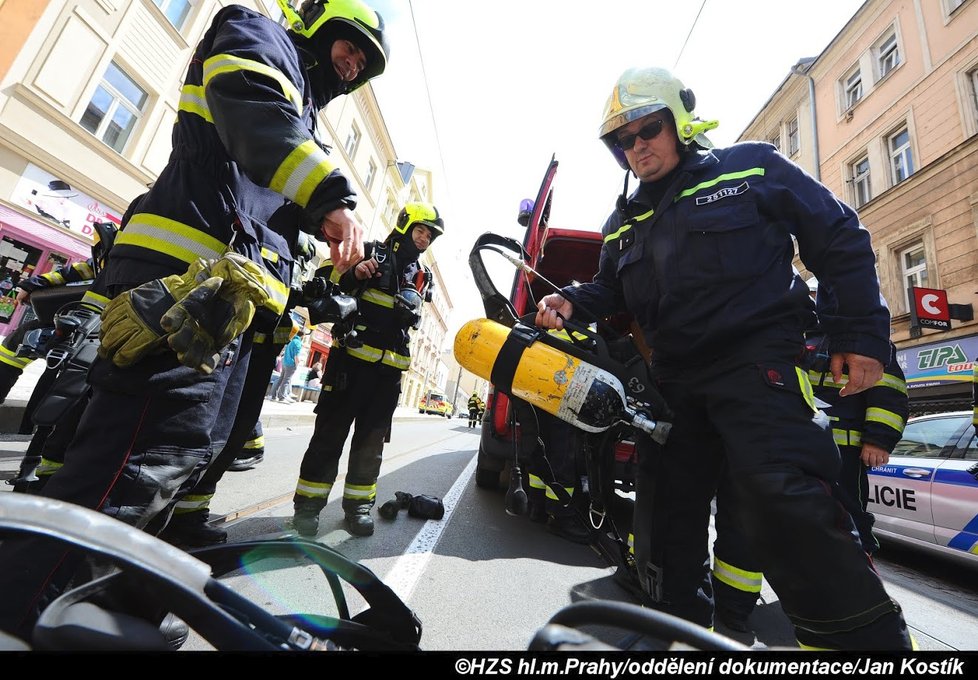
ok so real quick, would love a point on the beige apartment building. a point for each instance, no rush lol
(89, 91)
(893, 131)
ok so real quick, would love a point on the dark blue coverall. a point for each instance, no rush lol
(877, 416)
(702, 259)
(243, 139)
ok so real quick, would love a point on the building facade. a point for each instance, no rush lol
(89, 90)
(895, 135)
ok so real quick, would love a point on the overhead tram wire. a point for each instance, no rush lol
(691, 28)
(431, 106)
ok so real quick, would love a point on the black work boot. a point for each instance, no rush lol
(733, 620)
(246, 463)
(306, 521)
(570, 528)
(358, 521)
(190, 529)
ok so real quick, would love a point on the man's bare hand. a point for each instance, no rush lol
(366, 269)
(864, 372)
(22, 296)
(345, 238)
(550, 307)
(874, 456)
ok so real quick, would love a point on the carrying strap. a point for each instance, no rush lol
(504, 368)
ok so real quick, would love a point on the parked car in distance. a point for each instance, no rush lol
(435, 402)
(927, 495)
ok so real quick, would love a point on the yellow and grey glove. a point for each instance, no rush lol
(211, 316)
(131, 326)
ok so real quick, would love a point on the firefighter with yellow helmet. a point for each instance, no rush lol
(362, 378)
(700, 253)
(208, 253)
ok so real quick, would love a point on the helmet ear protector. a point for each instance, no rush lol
(688, 99)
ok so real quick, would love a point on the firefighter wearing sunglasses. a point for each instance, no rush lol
(700, 253)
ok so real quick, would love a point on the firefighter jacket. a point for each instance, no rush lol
(381, 323)
(245, 169)
(73, 273)
(473, 403)
(877, 415)
(709, 266)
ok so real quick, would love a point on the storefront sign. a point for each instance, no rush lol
(939, 363)
(56, 201)
(930, 308)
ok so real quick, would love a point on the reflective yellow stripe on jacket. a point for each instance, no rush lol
(628, 225)
(301, 172)
(11, 359)
(384, 356)
(176, 239)
(229, 63)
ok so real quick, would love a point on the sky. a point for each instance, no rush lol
(500, 87)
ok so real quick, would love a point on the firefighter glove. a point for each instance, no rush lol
(131, 326)
(216, 312)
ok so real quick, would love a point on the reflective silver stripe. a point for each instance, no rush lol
(301, 172)
(313, 489)
(398, 361)
(192, 503)
(847, 437)
(94, 300)
(892, 382)
(192, 100)
(881, 415)
(278, 293)
(536, 482)
(360, 493)
(741, 579)
(11, 359)
(378, 297)
(170, 237)
(228, 63)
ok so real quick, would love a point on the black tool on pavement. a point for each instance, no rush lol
(422, 506)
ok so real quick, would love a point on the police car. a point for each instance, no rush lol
(927, 495)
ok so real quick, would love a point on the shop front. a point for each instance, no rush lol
(44, 225)
(940, 374)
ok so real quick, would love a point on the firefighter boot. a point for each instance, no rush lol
(190, 529)
(569, 527)
(306, 521)
(358, 520)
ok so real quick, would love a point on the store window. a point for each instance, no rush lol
(18, 261)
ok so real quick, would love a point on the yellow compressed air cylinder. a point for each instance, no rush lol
(547, 378)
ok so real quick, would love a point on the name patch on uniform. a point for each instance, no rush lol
(723, 193)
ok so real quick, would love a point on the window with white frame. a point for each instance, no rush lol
(888, 54)
(859, 173)
(853, 87)
(775, 139)
(368, 180)
(390, 211)
(792, 131)
(176, 11)
(901, 156)
(953, 5)
(115, 108)
(973, 91)
(913, 264)
(352, 141)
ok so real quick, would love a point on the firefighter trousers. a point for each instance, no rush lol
(358, 394)
(147, 430)
(753, 410)
(553, 466)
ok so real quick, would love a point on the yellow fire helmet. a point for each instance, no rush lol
(352, 18)
(419, 213)
(641, 91)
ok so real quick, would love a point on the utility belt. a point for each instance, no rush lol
(73, 360)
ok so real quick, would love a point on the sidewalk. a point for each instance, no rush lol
(273, 414)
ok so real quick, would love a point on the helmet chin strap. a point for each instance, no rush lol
(623, 199)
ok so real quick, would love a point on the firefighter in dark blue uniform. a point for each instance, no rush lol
(207, 252)
(362, 377)
(701, 255)
(865, 426)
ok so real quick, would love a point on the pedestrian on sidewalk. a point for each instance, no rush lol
(282, 391)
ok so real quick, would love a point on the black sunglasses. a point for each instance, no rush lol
(646, 132)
